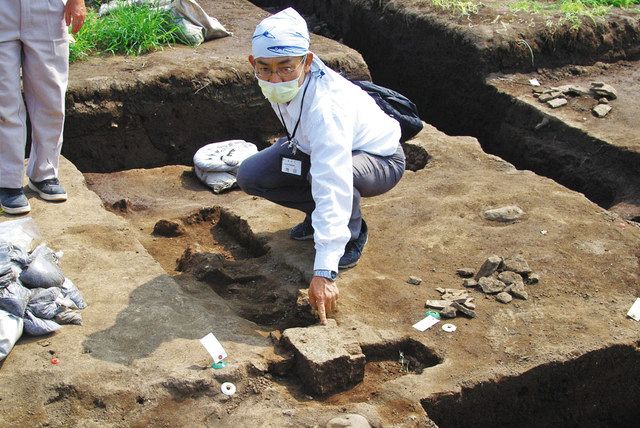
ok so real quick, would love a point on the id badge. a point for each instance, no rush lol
(291, 166)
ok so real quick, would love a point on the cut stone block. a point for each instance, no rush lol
(326, 360)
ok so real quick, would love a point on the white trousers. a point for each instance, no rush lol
(34, 39)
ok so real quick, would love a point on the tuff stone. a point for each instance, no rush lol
(488, 267)
(491, 285)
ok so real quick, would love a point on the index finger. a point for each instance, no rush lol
(322, 312)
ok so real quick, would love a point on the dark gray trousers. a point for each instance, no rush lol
(261, 175)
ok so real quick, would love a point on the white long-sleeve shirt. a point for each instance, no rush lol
(337, 118)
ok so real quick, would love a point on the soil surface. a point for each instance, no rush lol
(137, 361)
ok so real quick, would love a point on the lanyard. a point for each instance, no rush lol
(293, 145)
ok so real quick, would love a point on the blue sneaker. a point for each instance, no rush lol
(303, 231)
(354, 248)
(13, 201)
(49, 190)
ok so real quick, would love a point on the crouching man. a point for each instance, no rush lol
(340, 146)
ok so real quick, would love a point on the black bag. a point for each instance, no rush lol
(395, 105)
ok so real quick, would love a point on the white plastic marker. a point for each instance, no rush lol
(228, 388)
(634, 312)
(449, 328)
(213, 347)
(426, 323)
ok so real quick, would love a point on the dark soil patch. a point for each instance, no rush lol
(598, 389)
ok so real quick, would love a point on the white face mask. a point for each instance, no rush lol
(281, 92)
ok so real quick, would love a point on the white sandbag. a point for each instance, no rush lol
(217, 181)
(211, 27)
(10, 331)
(20, 232)
(224, 156)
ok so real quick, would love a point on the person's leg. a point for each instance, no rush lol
(45, 78)
(261, 175)
(13, 116)
(373, 176)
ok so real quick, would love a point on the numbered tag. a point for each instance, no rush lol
(291, 166)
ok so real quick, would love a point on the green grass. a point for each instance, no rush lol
(458, 7)
(128, 30)
(571, 11)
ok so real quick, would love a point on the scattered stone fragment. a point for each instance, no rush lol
(601, 89)
(515, 263)
(601, 110)
(465, 272)
(491, 285)
(537, 91)
(414, 280)
(349, 421)
(448, 312)
(470, 283)
(488, 267)
(517, 290)
(437, 304)
(544, 122)
(506, 213)
(465, 311)
(509, 277)
(557, 102)
(532, 278)
(603, 100)
(168, 228)
(440, 290)
(504, 297)
(469, 303)
(548, 96)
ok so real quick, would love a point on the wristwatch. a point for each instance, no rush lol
(326, 273)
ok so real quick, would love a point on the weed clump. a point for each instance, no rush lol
(130, 29)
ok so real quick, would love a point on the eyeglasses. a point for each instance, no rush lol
(285, 73)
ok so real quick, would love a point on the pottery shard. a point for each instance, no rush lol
(506, 214)
(469, 303)
(601, 89)
(557, 102)
(470, 283)
(572, 90)
(601, 110)
(488, 267)
(465, 272)
(463, 310)
(504, 297)
(517, 290)
(548, 96)
(515, 263)
(491, 285)
(509, 277)
(448, 312)
(437, 304)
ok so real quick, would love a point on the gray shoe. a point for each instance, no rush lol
(303, 231)
(13, 201)
(49, 190)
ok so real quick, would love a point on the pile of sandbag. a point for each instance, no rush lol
(35, 296)
(216, 164)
